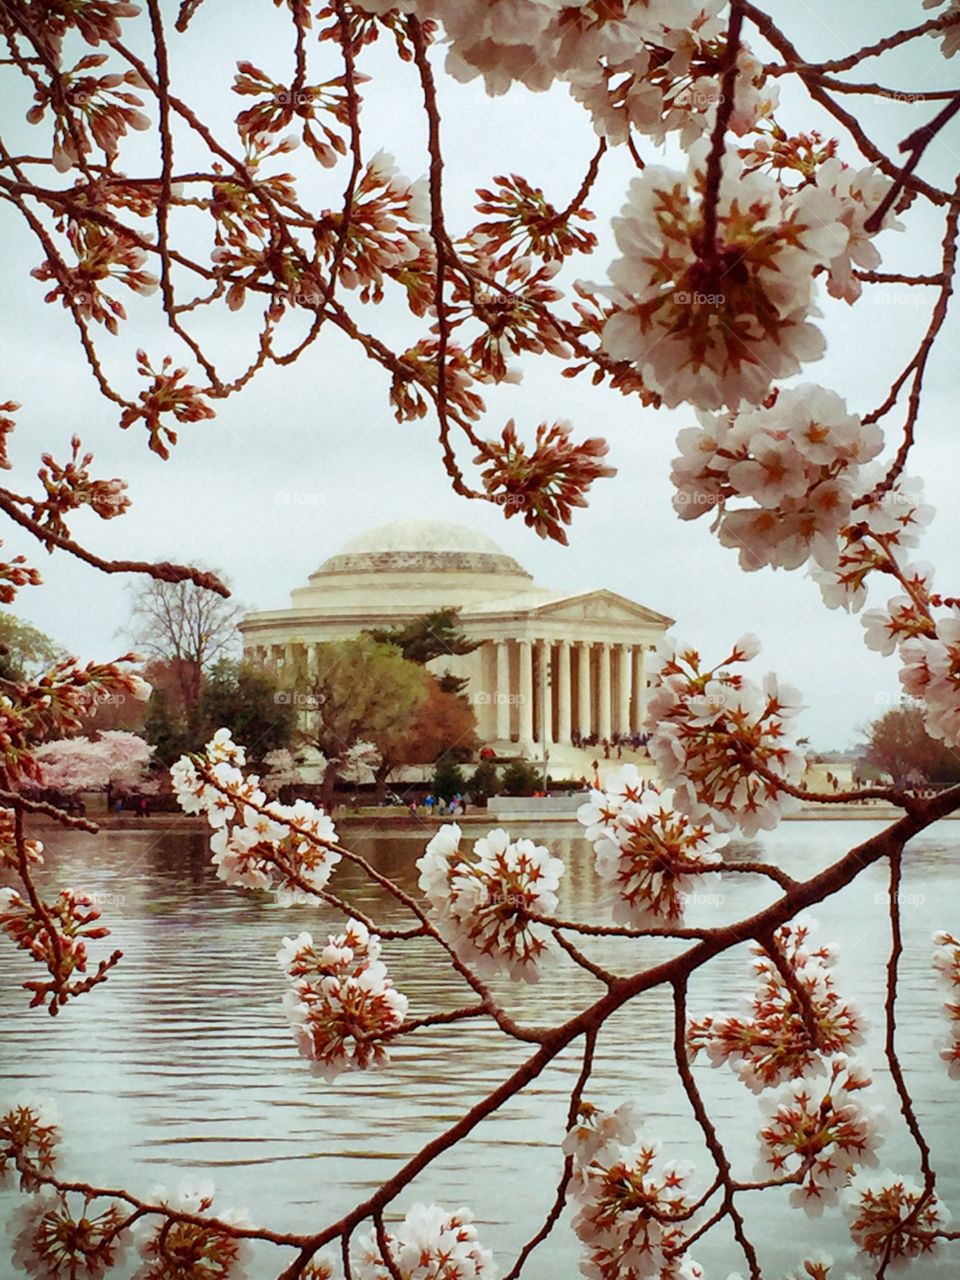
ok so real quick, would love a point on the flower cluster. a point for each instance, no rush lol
(81, 101)
(283, 105)
(721, 741)
(189, 1250)
(893, 1218)
(607, 798)
(946, 960)
(257, 843)
(55, 935)
(430, 1244)
(103, 256)
(715, 324)
(520, 220)
(54, 705)
(775, 1043)
(29, 1134)
(631, 1208)
(342, 1002)
(167, 393)
(56, 1235)
(648, 855)
(385, 235)
(795, 462)
(69, 486)
(819, 1138)
(482, 905)
(545, 485)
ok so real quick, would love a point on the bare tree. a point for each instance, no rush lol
(186, 627)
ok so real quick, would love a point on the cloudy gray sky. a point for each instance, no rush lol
(309, 456)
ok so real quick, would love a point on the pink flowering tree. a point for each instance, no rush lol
(114, 758)
(724, 261)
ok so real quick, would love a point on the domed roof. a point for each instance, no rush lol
(421, 546)
(421, 535)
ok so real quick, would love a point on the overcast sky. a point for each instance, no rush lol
(309, 456)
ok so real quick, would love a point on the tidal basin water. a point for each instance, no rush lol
(182, 1067)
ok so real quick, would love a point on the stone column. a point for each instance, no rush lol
(640, 678)
(545, 692)
(625, 689)
(563, 693)
(605, 709)
(502, 692)
(525, 696)
(584, 695)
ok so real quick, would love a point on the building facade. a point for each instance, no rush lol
(551, 668)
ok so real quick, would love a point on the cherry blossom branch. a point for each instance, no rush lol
(728, 1207)
(163, 571)
(556, 1209)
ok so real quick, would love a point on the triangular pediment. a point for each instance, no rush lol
(600, 606)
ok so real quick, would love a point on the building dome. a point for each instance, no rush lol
(421, 546)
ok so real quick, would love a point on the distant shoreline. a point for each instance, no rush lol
(872, 811)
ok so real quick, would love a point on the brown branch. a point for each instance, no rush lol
(164, 571)
(553, 1216)
(916, 144)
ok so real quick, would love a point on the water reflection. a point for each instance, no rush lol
(183, 1060)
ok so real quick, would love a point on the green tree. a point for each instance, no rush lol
(247, 700)
(432, 635)
(521, 779)
(898, 744)
(24, 649)
(486, 782)
(164, 729)
(363, 691)
(448, 779)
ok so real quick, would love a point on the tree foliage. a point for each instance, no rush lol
(899, 745)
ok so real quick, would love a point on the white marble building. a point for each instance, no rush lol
(551, 667)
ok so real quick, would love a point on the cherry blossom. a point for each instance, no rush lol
(946, 961)
(859, 193)
(599, 814)
(342, 1002)
(546, 484)
(773, 1043)
(597, 1134)
(113, 758)
(430, 1244)
(797, 462)
(820, 1135)
(950, 35)
(186, 1250)
(721, 741)
(629, 1203)
(649, 856)
(55, 934)
(61, 1237)
(167, 394)
(892, 1217)
(29, 1135)
(482, 904)
(257, 843)
(715, 325)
